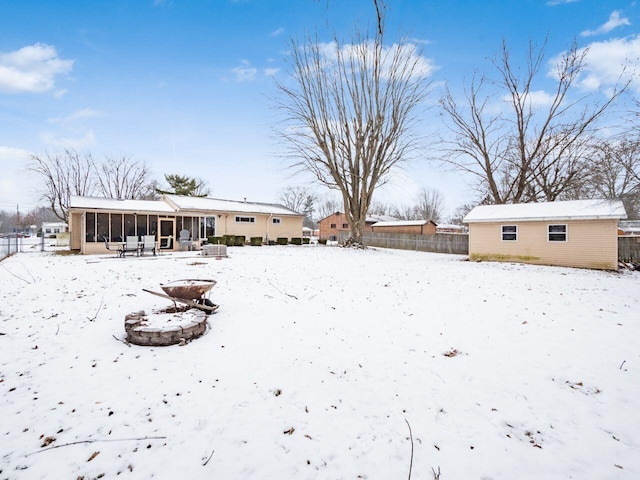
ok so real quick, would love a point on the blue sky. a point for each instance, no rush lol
(185, 85)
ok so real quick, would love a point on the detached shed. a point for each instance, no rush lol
(415, 227)
(577, 233)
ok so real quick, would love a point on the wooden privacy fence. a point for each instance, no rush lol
(629, 248)
(439, 243)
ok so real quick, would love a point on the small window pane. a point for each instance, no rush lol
(557, 233)
(509, 233)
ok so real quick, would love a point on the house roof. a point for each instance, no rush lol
(598, 209)
(176, 203)
(402, 223)
(100, 203)
(220, 205)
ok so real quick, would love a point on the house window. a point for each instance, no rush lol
(240, 219)
(276, 220)
(345, 225)
(333, 225)
(557, 233)
(509, 233)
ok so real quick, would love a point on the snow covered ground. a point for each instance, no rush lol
(317, 362)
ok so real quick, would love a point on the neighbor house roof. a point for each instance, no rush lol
(567, 210)
(100, 203)
(218, 205)
(402, 223)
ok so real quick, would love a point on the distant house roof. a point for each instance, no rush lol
(380, 218)
(549, 211)
(402, 223)
(176, 203)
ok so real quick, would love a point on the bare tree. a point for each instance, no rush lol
(328, 206)
(299, 199)
(617, 173)
(123, 178)
(534, 152)
(64, 175)
(349, 114)
(429, 205)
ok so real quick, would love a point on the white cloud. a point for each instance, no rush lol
(615, 21)
(77, 115)
(270, 72)
(606, 62)
(77, 142)
(31, 69)
(538, 98)
(277, 32)
(553, 3)
(245, 72)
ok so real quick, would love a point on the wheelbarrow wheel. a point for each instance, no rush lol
(207, 303)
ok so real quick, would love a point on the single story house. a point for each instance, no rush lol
(414, 227)
(629, 227)
(52, 228)
(93, 219)
(576, 233)
(330, 226)
(450, 228)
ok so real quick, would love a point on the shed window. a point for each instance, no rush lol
(509, 233)
(240, 219)
(557, 233)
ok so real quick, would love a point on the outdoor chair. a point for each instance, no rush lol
(167, 245)
(148, 244)
(185, 240)
(131, 245)
(117, 249)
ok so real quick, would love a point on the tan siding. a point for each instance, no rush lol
(590, 244)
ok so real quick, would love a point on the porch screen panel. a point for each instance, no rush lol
(90, 226)
(153, 225)
(116, 227)
(142, 225)
(103, 226)
(129, 225)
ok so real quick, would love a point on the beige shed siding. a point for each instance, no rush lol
(590, 243)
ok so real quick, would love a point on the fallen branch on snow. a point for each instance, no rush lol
(96, 440)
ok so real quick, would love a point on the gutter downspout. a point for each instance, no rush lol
(268, 223)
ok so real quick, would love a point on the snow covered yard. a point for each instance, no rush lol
(316, 364)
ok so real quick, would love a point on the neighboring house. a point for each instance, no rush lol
(415, 227)
(329, 227)
(578, 233)
(92, 219)
(52, 228)
(450, 228)
(629, 227)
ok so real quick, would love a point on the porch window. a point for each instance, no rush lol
(557, 233)
(509, 233)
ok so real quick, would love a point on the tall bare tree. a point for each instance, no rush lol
(300, 199)
(617, 173)
(349, 114)
(429, 205)
(66, 174)
(532, 152)
(123, 178)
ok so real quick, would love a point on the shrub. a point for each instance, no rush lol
(228, 240)
(214, 240)
(255, 241)
(322, 241)
(306, 240)
(296, 241)
(282, 241)
(239, 241)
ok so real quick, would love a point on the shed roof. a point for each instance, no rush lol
(598, 209)
(402, 223)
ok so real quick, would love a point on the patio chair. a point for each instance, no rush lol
(148, 244)
(185, 240)
(116, 248)
(165, 246)
(131, 245)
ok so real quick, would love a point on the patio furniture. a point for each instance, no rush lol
(117, 247)
(167, 245)
(185, 240)
(131, 245)
(148, 244)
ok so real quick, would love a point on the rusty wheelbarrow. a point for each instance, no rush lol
(192, 291)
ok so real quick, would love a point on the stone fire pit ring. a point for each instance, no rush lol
(171, 326)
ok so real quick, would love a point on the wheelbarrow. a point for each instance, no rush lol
(192, 292)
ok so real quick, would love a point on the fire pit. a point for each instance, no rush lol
(176, 324)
